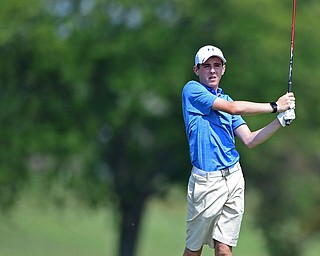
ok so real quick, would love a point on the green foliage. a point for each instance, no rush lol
(91, 100)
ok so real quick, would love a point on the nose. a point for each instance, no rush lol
(212, 70)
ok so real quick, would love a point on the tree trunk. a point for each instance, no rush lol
(131, 216)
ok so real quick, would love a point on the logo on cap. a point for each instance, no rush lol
(206, 52)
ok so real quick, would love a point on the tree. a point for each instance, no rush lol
(94, 88)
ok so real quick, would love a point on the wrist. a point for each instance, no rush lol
(274, 106)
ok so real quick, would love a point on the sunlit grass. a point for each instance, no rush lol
(164, 230)
(34, 230)
(49, 231)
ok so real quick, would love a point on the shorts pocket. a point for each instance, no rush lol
(199, 189)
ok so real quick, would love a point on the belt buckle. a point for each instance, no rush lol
(225, 172)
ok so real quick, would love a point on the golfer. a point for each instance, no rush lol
(216, 185)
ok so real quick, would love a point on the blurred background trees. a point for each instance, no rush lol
(91, 101)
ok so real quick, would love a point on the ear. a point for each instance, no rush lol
(223, 69)
(196, 70)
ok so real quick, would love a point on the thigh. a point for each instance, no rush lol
(206, 199)
(229, 223)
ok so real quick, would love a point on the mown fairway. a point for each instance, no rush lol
(34, 230)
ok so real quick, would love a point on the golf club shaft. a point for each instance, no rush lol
(292, 46)
(291, 56)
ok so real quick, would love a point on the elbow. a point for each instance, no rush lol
(234, 109)
(233, 112)
(250, 144)
(230, 107)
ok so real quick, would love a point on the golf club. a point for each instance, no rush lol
(292, 46)
(291, 53)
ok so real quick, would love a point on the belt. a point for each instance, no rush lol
(220, 173)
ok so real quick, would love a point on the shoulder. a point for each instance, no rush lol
(192, 84)
(194, 87)
(224, 95)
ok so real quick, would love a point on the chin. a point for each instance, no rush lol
(212, 85)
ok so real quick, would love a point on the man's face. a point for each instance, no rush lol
(210, 72)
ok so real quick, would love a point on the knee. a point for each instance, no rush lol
(222, 249)
(188, 252)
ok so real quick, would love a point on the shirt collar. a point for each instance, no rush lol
(217, 93)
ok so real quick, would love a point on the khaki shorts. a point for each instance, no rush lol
(215, 208)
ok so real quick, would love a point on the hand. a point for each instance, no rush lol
(287, 117)
(286, 102)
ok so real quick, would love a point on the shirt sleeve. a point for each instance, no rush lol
(237, 120)
(197, 99)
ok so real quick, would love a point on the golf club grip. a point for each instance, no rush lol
(290, 86)
(288, 122)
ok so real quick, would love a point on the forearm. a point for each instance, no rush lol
(242, 107)
(252, 139)
(263, 134)
(250, 108)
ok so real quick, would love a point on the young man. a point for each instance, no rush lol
(216, 184)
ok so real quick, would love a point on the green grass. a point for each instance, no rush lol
(164, 230)
(48, 231)
(34, 230)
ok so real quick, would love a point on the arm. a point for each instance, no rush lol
(253, 139)
(251, 108)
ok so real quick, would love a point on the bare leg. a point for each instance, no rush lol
(221, 249)
(187, 252)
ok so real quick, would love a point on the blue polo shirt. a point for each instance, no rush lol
(209, 132)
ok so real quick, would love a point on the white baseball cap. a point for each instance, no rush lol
(206, 52)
